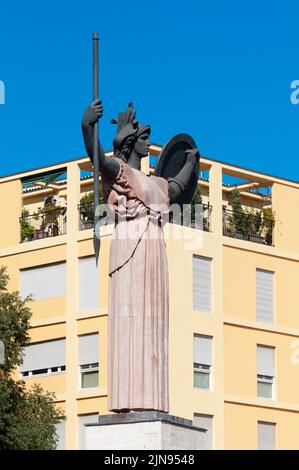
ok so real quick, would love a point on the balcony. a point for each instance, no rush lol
(86, 216)
(47, 222)
(254, 225)
(198, 218)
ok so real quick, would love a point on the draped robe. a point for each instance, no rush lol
(138, 293)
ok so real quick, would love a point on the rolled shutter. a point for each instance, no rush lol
(202, 283)
(88, 349)
(43, 282)
(60, 431)
(82, 420)
(89, 295)
(264, 296)
(265, 361)
(205, 422)
(44, 355)
(202, 349)
(266, 436)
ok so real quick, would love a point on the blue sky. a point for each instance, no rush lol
(220, 71)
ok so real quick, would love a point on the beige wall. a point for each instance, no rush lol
(285, 205)
(232, 323)
(241, 427)
(239, 279)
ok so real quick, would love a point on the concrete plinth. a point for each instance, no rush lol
(145, 430)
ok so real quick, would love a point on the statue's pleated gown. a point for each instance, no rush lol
(138, 293)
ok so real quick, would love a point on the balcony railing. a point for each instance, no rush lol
(253, 226)
(86, 217)
(196, 216)
(199, 219)
(43, 224)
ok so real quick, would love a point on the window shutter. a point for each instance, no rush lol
(202, 283)
(44, 355)
(88, 349)
(82, 420)
(264, 296)
(60, 431)
(266, 436)
(205, 422)
(202, 349)
(265, 360)
(44, 282)
(89, 296)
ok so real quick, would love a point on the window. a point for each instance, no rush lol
(89, 360)
(43, 282)
(82, 420)
(202, 283)
(47, 357)
(89, 296)
(264, 296)
(202, 361)
(205, 422)
(266, 435)
(60, 433)
(265, 372)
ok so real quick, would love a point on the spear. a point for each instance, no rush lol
(96, 230)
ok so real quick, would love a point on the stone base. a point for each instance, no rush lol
(144, 430)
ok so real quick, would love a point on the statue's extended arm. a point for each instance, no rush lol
(177, 185)
(109, 167)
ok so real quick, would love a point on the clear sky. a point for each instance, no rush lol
(219, 70)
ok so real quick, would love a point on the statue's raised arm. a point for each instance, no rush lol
(109, 167)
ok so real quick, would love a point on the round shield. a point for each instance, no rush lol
(172, 159)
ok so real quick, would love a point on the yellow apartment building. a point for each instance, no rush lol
(234, 304)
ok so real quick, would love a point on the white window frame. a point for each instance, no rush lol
(266, 379)
(50, 371)
(203, 369)
(85, 368)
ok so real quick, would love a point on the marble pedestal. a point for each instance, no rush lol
(144, 430)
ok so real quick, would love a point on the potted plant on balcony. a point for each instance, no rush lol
(238, 221)
(268, 224)
(49, 216)
(253, 225)
(27, 231)
(86, 211)
(41, 231)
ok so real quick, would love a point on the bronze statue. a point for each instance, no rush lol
(138, 284)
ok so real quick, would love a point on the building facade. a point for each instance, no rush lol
(234, 309)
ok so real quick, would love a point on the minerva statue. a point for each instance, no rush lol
(138, 303)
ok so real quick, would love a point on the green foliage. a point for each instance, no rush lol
(27, 231)
(269, 220)
(27, 417)
(197, 199)
(49, 214)
(86, 205)
(87, 198)
(14, 325)
(250, 222)
(239, 218)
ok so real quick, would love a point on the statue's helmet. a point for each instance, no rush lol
(128, 127)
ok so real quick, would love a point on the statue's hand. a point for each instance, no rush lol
(191, 155)
(93, 113)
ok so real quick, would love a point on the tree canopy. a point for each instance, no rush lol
(28, 417)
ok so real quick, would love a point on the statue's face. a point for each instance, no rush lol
(142, 145)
